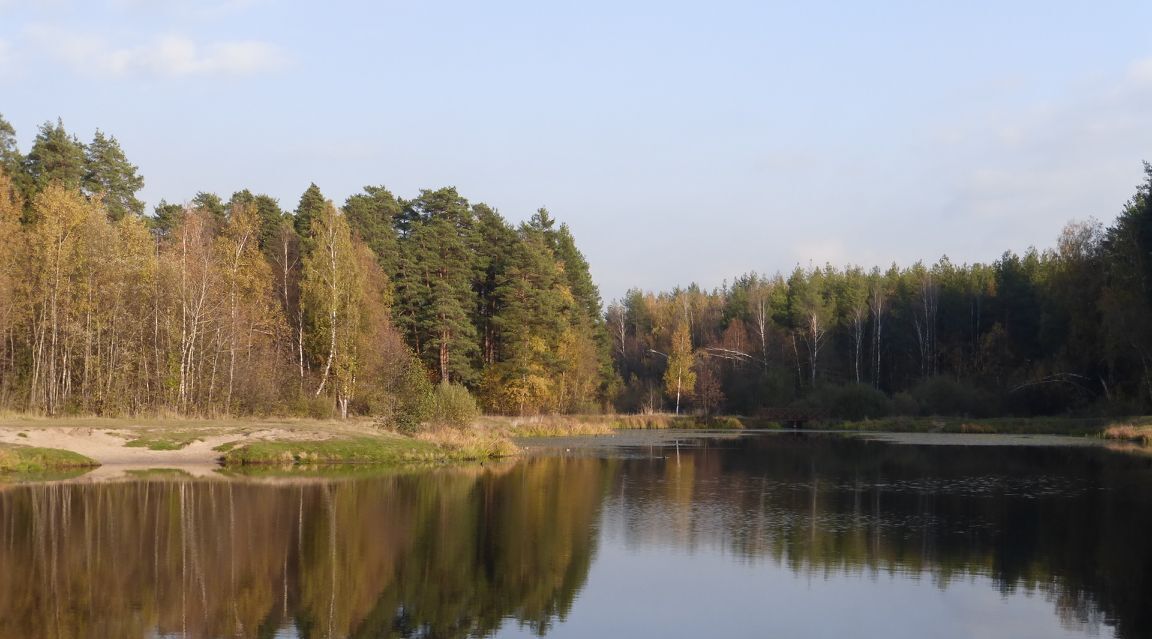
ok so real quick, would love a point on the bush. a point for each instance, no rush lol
(850, 402)
(412, 404)
(947, 396)
(315, 407)
(454, 406)
(904, 405)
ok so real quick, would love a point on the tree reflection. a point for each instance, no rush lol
(461, 552)
(1071, 523)
(434, 554)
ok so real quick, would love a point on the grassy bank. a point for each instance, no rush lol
(576, 425)
(1134, 429)
(29, 459)
(1072, 426)
(385, 449)
(1139, 432)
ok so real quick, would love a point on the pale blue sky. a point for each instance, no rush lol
(681, 141)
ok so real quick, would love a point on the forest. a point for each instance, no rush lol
(387, 307)
(398, 308)
(1063, 331)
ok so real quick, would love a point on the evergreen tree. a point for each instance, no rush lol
(109, 175)
(435, 280)
(1127, 297)
(372, 215)
(495, 243)
(312, 204)
(11, 161)
(211, 204)
(166, 217)
(530, 325)
(56, 156)
(268, 213)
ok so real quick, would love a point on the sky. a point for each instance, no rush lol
(681, 142)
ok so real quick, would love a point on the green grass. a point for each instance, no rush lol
(162, 441)
(28, 459)
(360, 450)
(1072, 426)
(159, 473)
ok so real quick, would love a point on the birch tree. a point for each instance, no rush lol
(331, 296)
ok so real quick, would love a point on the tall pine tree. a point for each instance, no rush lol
(109, 175)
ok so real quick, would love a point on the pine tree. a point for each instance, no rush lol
(109, 175)
(434, 287)
(312, 205)
(165, 218)
(530, 325)
(269, 216)
(211, 204)
(495, 243)
(372, 215)
(56, 156)
(11, 161)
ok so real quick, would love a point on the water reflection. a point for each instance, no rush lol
(434, 554)
(1071, 524)
(500, 550)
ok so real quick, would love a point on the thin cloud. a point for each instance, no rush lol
(1141, 72)
(168, 56)
(193, 8)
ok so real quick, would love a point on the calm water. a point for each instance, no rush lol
(780, 535)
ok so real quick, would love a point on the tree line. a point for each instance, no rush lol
(1066, 330)
(385, 306)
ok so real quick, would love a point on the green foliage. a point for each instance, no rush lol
(947, 396)
(850, 401)
(412, 402)
(453, 405)
(211, 204)
(163, 441)
(372, 215)
(680, 374)
(56, 156)
(29, 459)
(166, 217)
(434, 295)
(311, 206)
(110, 176)
(12, 161)
(270, 215)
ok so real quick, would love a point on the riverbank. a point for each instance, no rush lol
(198, 446)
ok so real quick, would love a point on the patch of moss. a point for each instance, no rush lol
(354, 450)
(159, 473)
(29, 459)
(165, 441)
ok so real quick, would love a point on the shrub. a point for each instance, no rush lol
(851, 402)
(412, 403)
(905, 405)
(947, 396)
(453, 405)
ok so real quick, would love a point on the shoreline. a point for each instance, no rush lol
(122, 446)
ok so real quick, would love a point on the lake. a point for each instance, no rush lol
(649, 535)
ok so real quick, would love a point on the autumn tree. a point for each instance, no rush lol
(332, 292)
(680, 374)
